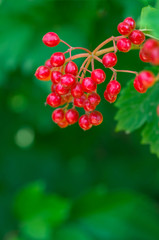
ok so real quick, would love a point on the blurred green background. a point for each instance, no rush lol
(67, 184)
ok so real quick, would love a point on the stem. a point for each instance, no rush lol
(103, 51)
(92, 63)
(82, 66)
(98, 59)
(87, 65)
(77, 56)
(81, 48)
(127, 71)
(65, 43)
(105, 42)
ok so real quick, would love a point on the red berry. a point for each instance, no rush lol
(68, 80)
(124, 45)
(53, 87)
(138, 86)
(155, 56)
(109, 60)
(58, 115)
(48, 64)
(94, 99)
(109, 98)
(144, 56)
(124, 28)
(57, 59)
(89, 85)
(79, 102)
(51, 39)
(56, 76)
(77, 90)
(150, 44)
(71, 68)
(146, 78)
(72, 116)
(96, 118)
(53, 99)
(88, 106)
(84, 122)
(63, 124)
(137, 37)
(113, 88)
(98, 76)
(43, 73)
(131, 22)
(61, 90)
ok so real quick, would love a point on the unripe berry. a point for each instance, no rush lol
(137, 37)
(98, 76)
(109, 98)
(68, 80)
(138, 86)
(79, 102)
(131, 22)
(57, 59)
(58, 115)
(43, 73)
(95, 118)
(71, 68)
(48, 64)
(94, 99)
(61, 90)
(146, 78)
(53, 99)
(155, 56)
(63, 124)
(124, 28)
(109, 60)
(51, 39)
(89, 85)
(113, 88)
(84, 122)
(77, 90)
(56, 76)
(72, 116)
(124, 45)
(88, 106)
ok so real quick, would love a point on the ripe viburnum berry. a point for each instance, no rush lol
(48, 64)
(88, 106)
(61, 90)
(71, 68)
(95, 118)
(124, 45)
(109, 98)
(146, 78)
(109, 60)
(72, 116)
(144, 56)
(43, 73)
(79, 102)
(137, 37)
(155, 56)
(113, 88)
(68, 80)
(150, 44)
(124, 28)
(58, 115)
(56, 76)
(131, 22)
(89, 85)
(94, 98)
(51, 39)
(138, 86)
(98, 76)
(63, 124)
(77, 90)
(53, 99)
(84, 122)
(53, 87)
(57, 59)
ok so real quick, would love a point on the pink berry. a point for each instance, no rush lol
(61, 90)
(131, 22)
(68, 80)
(72, 116)
(138, 86)
(95, 118)
(79, 102)
(57, 59)
(71, 68)
(53, 99)
(58, 115)
(51, 39)
(56, 76)
(84, 122)
(94, 98)
(98, 76)
(113, 88)
(89, 85)
(48, 64)
(109, 98)
(77, 90)
(63, 124)
(155, 56)
(88, 106)
(124, 28)
(43, 73)
(124, 45)
(137, 37)
(109, 60)
(146, 78)
(144, 56)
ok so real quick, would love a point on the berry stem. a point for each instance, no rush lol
(98, 59)
(92, 63)
(81, 48)
(65, 43)
(127, 71)
(105, 42)
(87, 65)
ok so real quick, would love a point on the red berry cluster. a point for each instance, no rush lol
(71, 86)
